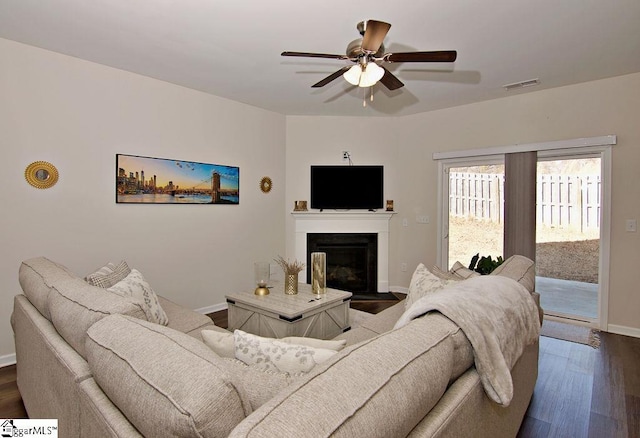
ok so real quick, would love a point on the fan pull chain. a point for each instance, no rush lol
(364, 96)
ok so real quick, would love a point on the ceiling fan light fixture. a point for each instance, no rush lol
(367, 52)
(371, 75)
(353, 74)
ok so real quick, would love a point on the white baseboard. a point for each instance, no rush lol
(624, 330)
(7, 359)
(214, 308)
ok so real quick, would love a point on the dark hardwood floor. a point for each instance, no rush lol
(580, 392)
(586, 392)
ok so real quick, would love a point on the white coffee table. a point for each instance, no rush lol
(278, 315)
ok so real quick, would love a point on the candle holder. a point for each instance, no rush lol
(262, 272)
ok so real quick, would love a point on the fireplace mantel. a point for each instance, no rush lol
(346, 222)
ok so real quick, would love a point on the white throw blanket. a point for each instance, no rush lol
(498, 316)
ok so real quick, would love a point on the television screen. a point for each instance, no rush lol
(347, 187)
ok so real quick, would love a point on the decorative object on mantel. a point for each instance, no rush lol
(291, 270)
(389, 205)
(262, 272)
(266, 184)
(300, 206)
(319, 273)
(41, 174)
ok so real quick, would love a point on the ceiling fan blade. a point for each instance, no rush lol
(390, 80)
(313, 55)
(441, 56)
(331, 77)
(374, 34)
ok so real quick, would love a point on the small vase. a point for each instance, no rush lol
(318, 273)
(291, 284)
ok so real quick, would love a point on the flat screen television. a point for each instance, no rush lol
(347, 187)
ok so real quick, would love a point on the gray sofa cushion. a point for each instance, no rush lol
(37, 276)
(70, 303)
(259, 386)
(402, 373)
(75, 306)
(165, 382)
(520, 269)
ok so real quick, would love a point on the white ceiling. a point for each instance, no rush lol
(231, 48)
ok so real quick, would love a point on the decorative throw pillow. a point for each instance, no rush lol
(223, 344)
(336, 345)
(460, 271)
(445, 275)
(274, 355)
(109, 275)
(135, 286)
(423, 282)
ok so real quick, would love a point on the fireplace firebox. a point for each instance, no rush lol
(352, 260)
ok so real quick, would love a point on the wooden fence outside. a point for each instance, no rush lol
(562, 200)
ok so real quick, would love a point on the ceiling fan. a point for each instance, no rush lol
(368, 53)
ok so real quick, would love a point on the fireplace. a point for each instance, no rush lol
(314, 222)
(352, 259)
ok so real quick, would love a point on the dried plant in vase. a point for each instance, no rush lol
(291, 270)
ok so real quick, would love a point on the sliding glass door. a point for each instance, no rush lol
(475, 211)
(572, 231)
(568, 236)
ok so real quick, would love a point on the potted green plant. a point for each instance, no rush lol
(484, 265)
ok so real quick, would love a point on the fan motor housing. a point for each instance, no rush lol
(354, 49)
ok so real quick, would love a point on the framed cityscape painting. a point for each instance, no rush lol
(146, 180)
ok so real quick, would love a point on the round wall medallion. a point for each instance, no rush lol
(41, 174)
(266, 184)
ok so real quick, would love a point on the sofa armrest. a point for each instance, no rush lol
(536, 298)
(186, 320)
(37, 343)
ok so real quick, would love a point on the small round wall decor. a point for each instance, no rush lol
(41, 174)
(266, 184)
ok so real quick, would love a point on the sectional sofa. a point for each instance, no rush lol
(91, 359)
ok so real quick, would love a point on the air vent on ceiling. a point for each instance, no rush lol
(523, 84)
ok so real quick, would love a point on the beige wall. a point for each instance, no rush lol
(78, 115)
(405, 146)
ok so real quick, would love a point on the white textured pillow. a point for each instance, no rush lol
(274, 355)
(135, 286)
(423, 282)
(223, 344)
